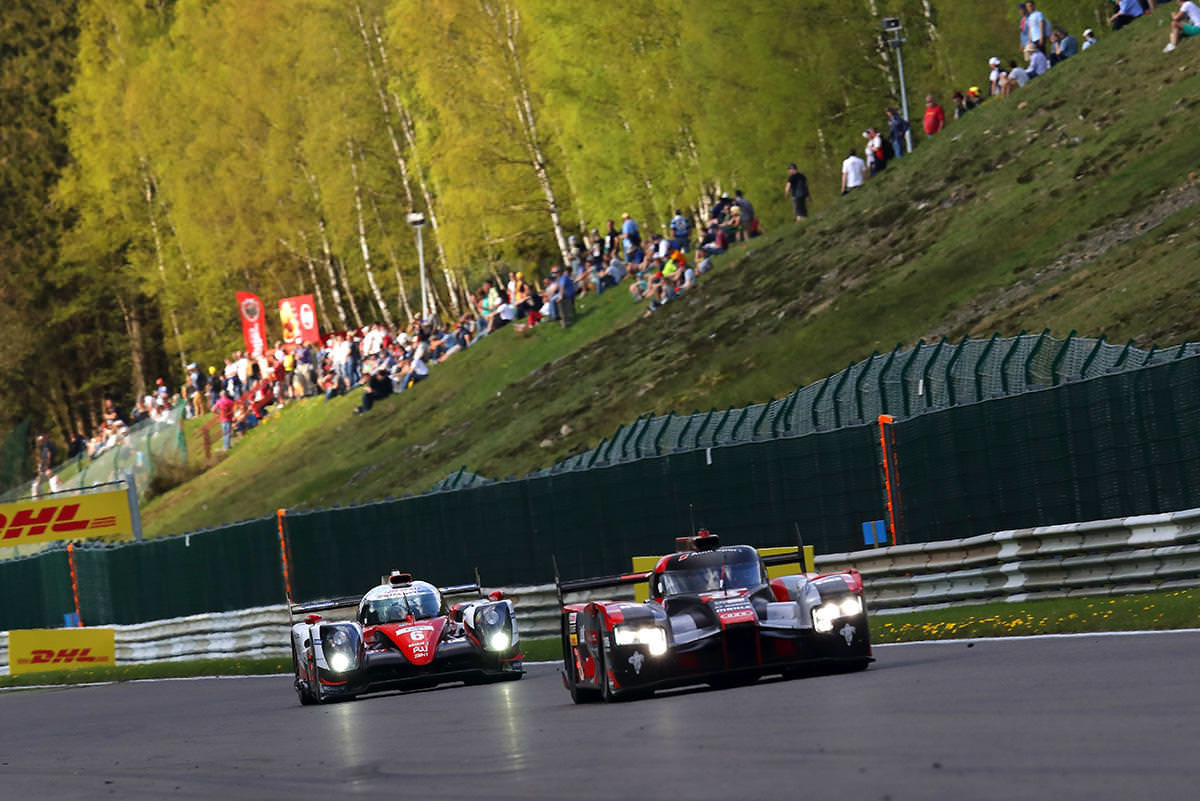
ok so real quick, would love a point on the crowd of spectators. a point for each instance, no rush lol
(1042, 47)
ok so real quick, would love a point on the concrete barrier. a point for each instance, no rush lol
(1124, 555)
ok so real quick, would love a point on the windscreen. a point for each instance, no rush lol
(712, 572)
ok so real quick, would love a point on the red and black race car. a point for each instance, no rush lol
(713, 617)
(404, 636)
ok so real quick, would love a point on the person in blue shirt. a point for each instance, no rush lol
(1127, 12)
(630, 236)
(1037, 27)
(680, 230)
(564, 295)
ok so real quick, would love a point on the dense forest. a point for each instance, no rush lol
(158, 155)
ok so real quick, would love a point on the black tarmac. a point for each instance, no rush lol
(1105, 717)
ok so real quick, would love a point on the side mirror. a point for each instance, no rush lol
(495, 595)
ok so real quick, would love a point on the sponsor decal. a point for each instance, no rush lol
(636, 659)
(65, 518)
(734, 610)
(254, 329)
(40, 650)
(847, 632)
(299, 319)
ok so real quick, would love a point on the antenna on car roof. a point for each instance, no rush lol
(557, 580)
(800, 546)
(692, 517)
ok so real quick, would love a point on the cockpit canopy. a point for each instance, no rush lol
(387, 604)
(735, 567)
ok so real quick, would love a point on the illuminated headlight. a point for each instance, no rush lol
(339, 663)
(499, 641)
(652, 636)
(851, 606)
(823, 617)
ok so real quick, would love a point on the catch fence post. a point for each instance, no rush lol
(1058, 357)
(925, 386)
(979, 366)
(887, 445)
(1090, 357)
(904, 376)
(887, 365)
(858, 382)
(949, 377)
(1004, 362)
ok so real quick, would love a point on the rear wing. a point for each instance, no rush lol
(574, 585)
(791, 556)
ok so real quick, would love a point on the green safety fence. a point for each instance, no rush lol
(135, 453)
(987, 435)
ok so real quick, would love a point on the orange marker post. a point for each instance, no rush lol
(888, 454)
(283, 555)
(74, 582)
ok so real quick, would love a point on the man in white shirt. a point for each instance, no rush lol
(854, 171)
(1184, 22)
(1037, 26)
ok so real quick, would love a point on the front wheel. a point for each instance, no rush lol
(302, 689)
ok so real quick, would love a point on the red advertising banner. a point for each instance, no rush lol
(299, 318)
(254, 326)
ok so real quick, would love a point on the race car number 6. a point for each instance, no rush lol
(417, 635)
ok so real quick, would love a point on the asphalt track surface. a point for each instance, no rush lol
(1114, 717)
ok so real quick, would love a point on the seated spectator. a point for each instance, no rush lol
(1017, 78)
(1063, 46)
(414, 370)
(332, 383)
(379, 386)
(1089, 39)
(1184, 23)
(714, 242)
(1038, 65)
(1127, 12)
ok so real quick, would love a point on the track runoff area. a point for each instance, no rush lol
(1082, 716)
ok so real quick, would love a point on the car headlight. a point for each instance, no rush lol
(340, 662)
(825, 614)
(652, 636)
(499, 641)
(851, 606)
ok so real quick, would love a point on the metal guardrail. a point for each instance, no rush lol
(1105, 557)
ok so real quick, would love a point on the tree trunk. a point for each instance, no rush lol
(411, 140)
(137, 356)
(400, 289)
(328, 257)
(150, 191)
(362, 237)
(506, 32)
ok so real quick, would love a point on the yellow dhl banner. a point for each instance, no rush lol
(642, 564)
(65, 517)
(41, 650)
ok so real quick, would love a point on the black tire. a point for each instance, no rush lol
(302, 688)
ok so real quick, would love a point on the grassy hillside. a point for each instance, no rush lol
(1071, 205)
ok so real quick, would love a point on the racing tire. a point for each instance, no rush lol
(302, 688)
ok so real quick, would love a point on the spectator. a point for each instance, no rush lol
(611, 239)
(715, 241)
(973, 96)
(935, 118)
(854, 171)
(1184, 23)
(1127, 12)
(721, 210)
(564, 296)
(1017, 77)
(415, 371)
(1023, 25)
(1063, 46)
(1038, 65)
(748, 219)
(680, 231)
(876, 157)
(1038, 28)
(898, 129)
(961, 104)
(797, 189)
(995, 77)
(1089, 39)
(631, 237)
(379, 386)
(224, 411)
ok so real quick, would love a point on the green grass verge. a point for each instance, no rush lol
(1176, 609)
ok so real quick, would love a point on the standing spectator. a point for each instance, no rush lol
(1023, 25)
(45, 465)
(611, 237)
(797, 189)
(1127, 12)
(748, 227)
(631, 237)
(1064, 46)
(854, 171)
(1038, 27)
(1089, 39)
(224, 411)
(1184, 22)
(680, 231)
(898, 128)
(564, 296)
(935, 118)
(876, 157)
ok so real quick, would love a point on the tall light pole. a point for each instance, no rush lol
(417, 220)
(892, 25)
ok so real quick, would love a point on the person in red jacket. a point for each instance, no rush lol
(935, 118)
(224, 411)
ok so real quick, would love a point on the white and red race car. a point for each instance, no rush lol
(404, 636)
